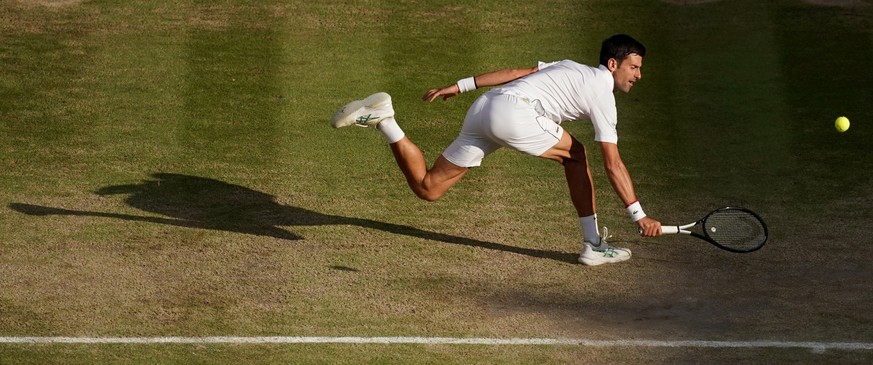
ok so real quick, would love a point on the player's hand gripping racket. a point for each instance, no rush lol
(729, 228)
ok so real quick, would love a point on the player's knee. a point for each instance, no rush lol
(426, 192)
(428, 195)
(576, 153)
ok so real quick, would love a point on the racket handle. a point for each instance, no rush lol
(669, 229)
(664, 230)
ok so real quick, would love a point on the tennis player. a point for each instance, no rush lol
(524, 112)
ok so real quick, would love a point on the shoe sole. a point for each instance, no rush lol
(595, 262)
(344, 117)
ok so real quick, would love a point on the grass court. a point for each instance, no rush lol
(168, 170)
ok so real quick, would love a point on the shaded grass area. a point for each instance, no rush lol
(168, 170)
(405, 354)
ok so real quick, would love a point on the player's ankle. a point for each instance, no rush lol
(391, 130)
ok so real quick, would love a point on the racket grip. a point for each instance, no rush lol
(664, 230)
(669, 229)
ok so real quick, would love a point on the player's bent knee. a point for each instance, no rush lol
(568, 149)
(438, 180)
(577, 151)
(429, 196)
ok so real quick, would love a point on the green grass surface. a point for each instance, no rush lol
(168, 170)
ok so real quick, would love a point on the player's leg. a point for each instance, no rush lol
(572, 154)
(427, 184)
(377, 111)
(467, 150)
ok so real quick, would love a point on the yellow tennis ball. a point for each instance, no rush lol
(842, 124)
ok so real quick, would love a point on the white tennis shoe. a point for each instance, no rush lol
(603, 253)
(364, 113)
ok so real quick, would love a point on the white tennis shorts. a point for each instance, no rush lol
(500, 120)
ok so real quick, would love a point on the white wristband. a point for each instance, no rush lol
(635, 211)
(468, 84)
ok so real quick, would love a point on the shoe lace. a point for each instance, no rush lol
(605, 248)
(605, 236)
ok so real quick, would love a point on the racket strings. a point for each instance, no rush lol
(736, 229)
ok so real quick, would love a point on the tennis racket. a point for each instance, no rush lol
(730, 228)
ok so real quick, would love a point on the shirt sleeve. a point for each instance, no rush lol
(604, 117)
(542, 65)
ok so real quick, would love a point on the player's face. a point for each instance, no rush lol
(626, 72)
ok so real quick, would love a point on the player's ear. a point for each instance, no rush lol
(612, 64)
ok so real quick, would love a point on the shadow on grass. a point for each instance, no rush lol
(197, 202)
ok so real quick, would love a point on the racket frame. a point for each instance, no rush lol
(685, 229)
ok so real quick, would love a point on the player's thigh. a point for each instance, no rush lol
(473, 143)
(468, 150)
(563, 149)
(515, 122)
(442, 175)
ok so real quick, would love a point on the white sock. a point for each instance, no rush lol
(589, 229)
(391, 130)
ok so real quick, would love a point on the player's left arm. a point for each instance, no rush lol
(494, 78)
(621, 182)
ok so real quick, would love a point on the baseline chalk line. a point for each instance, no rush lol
(812, 345)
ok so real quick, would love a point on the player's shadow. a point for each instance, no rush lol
(197, 202)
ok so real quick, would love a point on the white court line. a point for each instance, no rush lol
(814, 346)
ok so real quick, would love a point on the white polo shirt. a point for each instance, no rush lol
(571, 91)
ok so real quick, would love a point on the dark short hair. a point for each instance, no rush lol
(619, 47)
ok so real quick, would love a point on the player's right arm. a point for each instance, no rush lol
(484, 80)
(621, 182)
